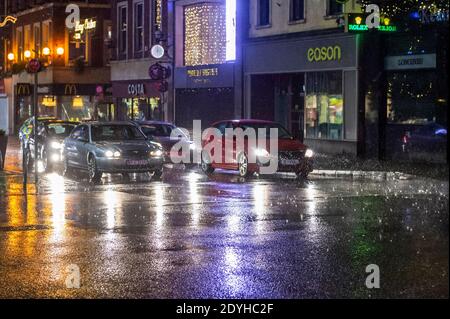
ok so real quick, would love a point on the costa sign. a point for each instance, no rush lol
(136, 89)
(323, 54)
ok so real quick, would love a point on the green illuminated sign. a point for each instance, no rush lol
(364, 27)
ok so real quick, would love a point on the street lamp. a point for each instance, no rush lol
(60, 51)
(11, 57)
(27, 54)
(46, 51)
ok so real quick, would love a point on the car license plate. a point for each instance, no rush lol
(137, 162)
(289, 162)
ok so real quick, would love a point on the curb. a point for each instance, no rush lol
(379, 175)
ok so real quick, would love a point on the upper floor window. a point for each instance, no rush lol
(264, 12)
(19, 44)
(334, 8)
(297, 10)
(122, 29)
(138, 27)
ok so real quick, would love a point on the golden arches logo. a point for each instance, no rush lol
(70, 89)
(8, 19)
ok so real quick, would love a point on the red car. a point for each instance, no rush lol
(292, 155)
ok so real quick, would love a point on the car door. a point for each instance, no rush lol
(82, 145)
(73, 145)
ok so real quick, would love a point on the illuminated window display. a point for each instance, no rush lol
(205, 39)
(324, 113)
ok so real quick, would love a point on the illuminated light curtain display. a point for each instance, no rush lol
(393, 8)
(158, 14)
(205, 34)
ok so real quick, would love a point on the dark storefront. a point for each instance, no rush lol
(204, 93)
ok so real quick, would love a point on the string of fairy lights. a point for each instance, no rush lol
(205, 34)
(393, 8)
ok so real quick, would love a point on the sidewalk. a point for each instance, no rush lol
(13, 160)
(346, 165)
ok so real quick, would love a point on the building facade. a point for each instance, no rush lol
(301, 69)
(75, 83)
(208, 60)
(139, 26)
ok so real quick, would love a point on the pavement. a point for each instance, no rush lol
(193, 236)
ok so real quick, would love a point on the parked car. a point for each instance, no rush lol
(111, 147)
(161, 132)
(430, 138)
(50, 136)
(293, 156)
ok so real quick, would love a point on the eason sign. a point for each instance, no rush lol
(409, 62)
(330, 53)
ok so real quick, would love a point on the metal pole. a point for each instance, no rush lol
(35, 113)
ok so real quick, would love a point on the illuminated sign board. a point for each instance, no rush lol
(88, 24)
(323, 54)
(230, 30)
(355, 24)
(8, 19)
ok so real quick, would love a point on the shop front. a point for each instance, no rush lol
(204, 93)
(309, 85)
(138, 100)
(417, 95)
(76, 102)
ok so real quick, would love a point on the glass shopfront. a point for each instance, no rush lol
(324, 105)
(141, 108)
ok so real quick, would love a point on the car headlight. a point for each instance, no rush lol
(111, 154)
(156, 153)
(261, 152)
(309, 153)
(56, 145)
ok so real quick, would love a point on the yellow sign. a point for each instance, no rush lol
(323, 54)
(8, 19)
(88, 24)
(70, 89)
(203, 72)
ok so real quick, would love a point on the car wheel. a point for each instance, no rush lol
(45, 162)
(158, 173)
(243, 165)
(206, 165)
(302, 176)
(94, 174)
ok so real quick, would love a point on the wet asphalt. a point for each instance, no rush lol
(193, 236)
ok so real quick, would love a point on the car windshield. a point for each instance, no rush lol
(116, 133)
(282, 132)
(60, 129)
(161, 130)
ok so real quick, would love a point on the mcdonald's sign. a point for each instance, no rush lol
(70, 89)
(23, 89)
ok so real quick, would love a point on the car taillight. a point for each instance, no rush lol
(406, 137)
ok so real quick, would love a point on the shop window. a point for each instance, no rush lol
(412, 98)
(324, 110)
(46, 34)
(264, 12)
(297, 10)
(37, 38)
(334, 8)
(77, 108)
(19, 41)
(138, 27)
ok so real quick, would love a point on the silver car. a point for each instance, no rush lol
(111, 147)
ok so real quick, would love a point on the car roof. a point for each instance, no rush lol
(97, 123)
(246, 121)
(60, 121)
(154, 123)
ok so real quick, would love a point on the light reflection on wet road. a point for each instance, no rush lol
(192, 236)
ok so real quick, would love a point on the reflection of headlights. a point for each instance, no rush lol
(56, 145)
(156, 153)
(192, 147)
(111, 154)
(260, 152)
(158, 145)
(309, 153)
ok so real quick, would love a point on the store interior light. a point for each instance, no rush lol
(77, 102)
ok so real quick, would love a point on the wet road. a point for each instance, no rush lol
(192, 236)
